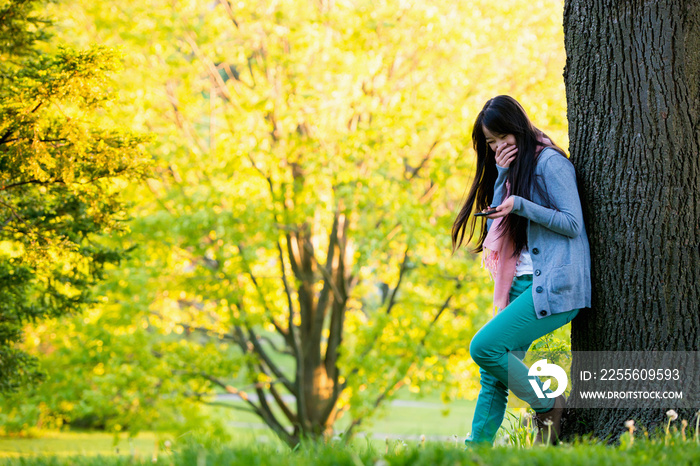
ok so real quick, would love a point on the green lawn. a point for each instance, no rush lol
(258, 446)
(405, 422)
(417, 418)
(72, 443)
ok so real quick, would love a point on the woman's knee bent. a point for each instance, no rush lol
(482, 350)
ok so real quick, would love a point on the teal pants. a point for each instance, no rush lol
(499, 348)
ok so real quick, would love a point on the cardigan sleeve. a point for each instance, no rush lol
(499, 186)
(558, 179)
(499, 189)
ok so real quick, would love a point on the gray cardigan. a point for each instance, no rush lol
(557, 240)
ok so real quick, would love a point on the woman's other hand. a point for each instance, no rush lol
(504, 209)
(505, 154)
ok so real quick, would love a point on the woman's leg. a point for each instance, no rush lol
(493, 396)
(497, 347)
(490, 409)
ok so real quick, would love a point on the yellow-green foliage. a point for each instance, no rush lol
(273, 115)
(62, 164)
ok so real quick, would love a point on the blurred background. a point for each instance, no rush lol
(305, 160)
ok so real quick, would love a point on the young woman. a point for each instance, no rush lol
(536, 248)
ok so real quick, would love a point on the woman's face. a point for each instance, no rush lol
(496, 140)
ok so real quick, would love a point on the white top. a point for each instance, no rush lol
(524, 264)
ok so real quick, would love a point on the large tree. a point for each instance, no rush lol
(60, 162)
(633, 91)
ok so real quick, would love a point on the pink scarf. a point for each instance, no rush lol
(498, 259)
(498, 254)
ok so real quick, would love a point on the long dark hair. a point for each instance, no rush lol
(502, 115)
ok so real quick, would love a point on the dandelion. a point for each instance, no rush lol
(167, 444)
(630, 427)
(684, 424)
(548, 423)
(672, 416)
(422, 440)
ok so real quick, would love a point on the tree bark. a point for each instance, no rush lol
(633, 92)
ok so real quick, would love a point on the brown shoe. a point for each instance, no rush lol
(549, 423)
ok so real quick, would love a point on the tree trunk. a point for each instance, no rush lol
(633, 91)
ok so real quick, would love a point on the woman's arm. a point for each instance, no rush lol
(560, 185)
(504, 156)
(499, 191)
(499, 187)
(559, 178)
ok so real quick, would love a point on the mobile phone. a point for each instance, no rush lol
(488, 212)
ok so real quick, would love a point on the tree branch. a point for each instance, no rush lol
(261, 295)
(211, 68)
(274, 346)
(268, 416)
(402, 272)
(291, 332)
(389, 307)
(5, 137)
(293, 340)
(399, 380)
(283, 406)
(229, 406)
(328, 284)
(264, 411)
(230, 389)
(337, 316)
(400, 377)
(327, 277)
(13, 212)
(22, 183)
(435, 319)
(253, 338)
(421, 344)
(42, 140)
(229, 10)
(203, 330)
(425, 160)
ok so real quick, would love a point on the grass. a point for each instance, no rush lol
(246, 448)
(394, 421)
(430, 417)
(395, 453)
(80, 443)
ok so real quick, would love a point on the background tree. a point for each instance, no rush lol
(293, 244)
(633, 91)
(61, 166)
